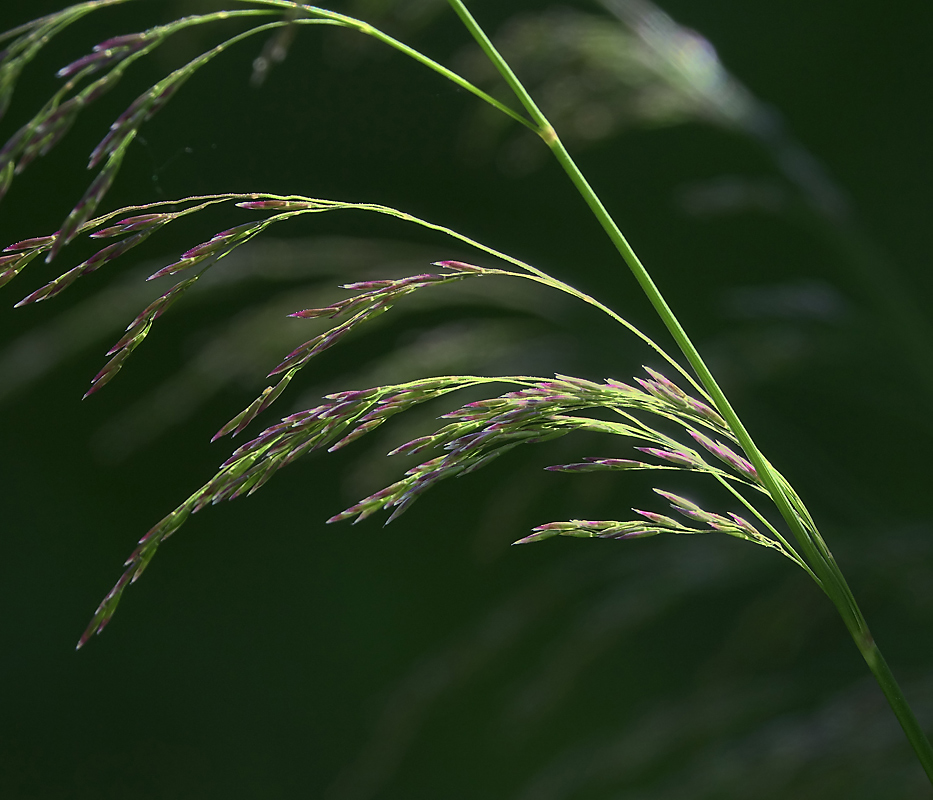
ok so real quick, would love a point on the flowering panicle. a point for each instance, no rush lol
(485, 429)
(475, 434)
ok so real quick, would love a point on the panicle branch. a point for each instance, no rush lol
(373, 298)
(114, 145)
(475, 434)
(733, 525)
(343, 417)
(29, 39)
(538, 412)
(135, 229)
(114, 56)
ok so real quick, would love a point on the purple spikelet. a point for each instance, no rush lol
(592, 529)
(591, 464)
(676, 457)
(100, 258)
(107, 54)
(86, 206)
(723, 453)
(374, 297)
(136, 331)
(15, 257)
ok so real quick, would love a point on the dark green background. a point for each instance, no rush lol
(267, 655)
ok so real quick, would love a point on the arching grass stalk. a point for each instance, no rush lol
(815, 551)
(536, 410)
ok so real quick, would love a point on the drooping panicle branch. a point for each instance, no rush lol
(373, 298)
(28, 40)
(340, 419)
(112, 56)
(477, 433)
(733, 525)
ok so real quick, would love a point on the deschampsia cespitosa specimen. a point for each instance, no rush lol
(680, 422)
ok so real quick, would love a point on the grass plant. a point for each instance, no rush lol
(679, 422)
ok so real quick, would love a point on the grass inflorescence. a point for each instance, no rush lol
(682, 421)
(473, 435)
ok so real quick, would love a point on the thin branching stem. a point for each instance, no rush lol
(533, 273)
(369, 30)
(811, 543)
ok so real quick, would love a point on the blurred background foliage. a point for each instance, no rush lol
(782, 205)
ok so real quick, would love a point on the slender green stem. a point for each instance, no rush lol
(892, 692)
(365, 28)
(534, 274)
(644, 280)
(814, 549)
